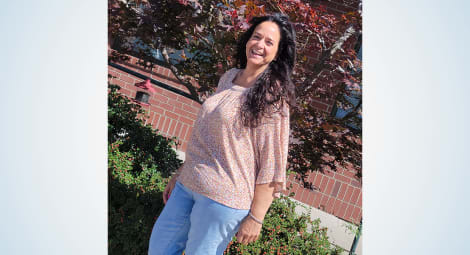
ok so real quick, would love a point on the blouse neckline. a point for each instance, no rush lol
(234, 85)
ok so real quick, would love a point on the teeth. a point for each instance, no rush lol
(257, 53)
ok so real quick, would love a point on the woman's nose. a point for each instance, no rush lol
(259, 44)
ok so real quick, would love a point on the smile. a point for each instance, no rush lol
(254, 53)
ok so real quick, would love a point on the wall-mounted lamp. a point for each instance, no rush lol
(142, 97)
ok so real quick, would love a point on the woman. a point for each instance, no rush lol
(236, 159)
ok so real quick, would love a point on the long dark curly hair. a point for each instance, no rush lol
(274, 87)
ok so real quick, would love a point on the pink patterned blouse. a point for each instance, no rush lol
(224, 159)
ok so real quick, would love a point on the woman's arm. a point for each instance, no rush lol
(250, 229)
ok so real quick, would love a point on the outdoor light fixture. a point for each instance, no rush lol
(142, 97)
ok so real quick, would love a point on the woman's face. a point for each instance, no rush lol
(262, 46)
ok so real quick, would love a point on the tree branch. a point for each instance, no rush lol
(179, 76)
(327, 55)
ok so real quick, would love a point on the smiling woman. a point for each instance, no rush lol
(266, 52)
(237, 154)
(260, 51)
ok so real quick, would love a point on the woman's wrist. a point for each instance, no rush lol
(255, 218)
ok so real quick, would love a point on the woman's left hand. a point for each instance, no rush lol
(249, 231)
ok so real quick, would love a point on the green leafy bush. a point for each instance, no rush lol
(139, 160)
(135, 199)
(125, 124)
(285, 232)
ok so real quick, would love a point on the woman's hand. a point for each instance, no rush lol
(249, 231)
(168, 189)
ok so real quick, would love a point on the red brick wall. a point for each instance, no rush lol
(339, 193)
(170, 113)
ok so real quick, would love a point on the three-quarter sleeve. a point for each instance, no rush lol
(272, 143)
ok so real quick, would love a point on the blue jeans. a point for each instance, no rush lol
(194, 223)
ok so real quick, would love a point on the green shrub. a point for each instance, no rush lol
(135, 199)
(125, 124)
(139, 160)
(285, 232)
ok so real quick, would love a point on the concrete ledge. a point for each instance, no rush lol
(181, 154)
(338, 231)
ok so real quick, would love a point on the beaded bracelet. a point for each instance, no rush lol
(255, 219)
